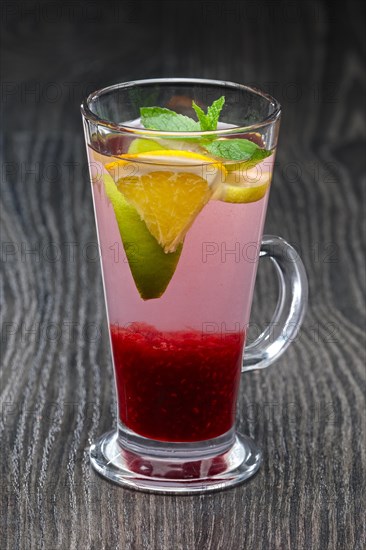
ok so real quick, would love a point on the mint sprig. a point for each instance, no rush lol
(236, 149)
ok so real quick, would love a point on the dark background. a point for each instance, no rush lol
(307, 413)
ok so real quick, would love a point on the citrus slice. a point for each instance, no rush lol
(168, 188)
(151, 268)
(244, 186)
(140, 145)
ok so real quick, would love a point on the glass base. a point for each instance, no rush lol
(139, 463)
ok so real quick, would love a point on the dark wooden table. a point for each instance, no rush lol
(307, 413)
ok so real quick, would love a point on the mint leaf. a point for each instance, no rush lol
(214, 111)
(202, 117)
(237, 149)
(165, 120)
(259, 155)
(209, 121)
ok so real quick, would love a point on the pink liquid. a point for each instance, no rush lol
(210, 293)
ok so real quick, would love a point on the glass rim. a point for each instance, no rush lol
(124, 128)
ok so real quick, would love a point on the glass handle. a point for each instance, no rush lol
(290, 309)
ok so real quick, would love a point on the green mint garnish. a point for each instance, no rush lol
(236, 149)
(209, 121)
(165, 120)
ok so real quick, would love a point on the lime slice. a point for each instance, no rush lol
(244, 186)
(151, 268)
(168, 189)
(140, 145)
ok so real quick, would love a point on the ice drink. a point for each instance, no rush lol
(181, 171)
(170, 266)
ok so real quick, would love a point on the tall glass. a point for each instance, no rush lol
(180, 205)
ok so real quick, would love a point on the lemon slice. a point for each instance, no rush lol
(168, 189)
(244, 186)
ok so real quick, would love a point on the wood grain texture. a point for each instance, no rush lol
(308, 412)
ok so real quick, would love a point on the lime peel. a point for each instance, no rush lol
(151, 268)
